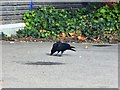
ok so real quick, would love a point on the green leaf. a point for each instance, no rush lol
(102, 10)
(96, 21)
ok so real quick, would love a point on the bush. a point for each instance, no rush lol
(94, 22)
(104, 21)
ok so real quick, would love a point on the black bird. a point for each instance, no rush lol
(59, 46)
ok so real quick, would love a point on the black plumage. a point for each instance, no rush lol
(61, 47)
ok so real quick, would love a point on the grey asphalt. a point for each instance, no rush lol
(29, 65)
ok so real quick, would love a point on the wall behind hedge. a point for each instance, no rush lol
(12, 11)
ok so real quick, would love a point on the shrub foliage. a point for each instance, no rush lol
(92, 21)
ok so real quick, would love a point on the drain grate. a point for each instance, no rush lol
(44, 63)
(101, 45)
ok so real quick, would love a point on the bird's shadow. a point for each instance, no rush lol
(58, 55)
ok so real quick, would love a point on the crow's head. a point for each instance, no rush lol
(52, 51)
(54, 48)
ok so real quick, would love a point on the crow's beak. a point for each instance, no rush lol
(50, 53)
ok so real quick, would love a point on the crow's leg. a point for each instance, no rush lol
(61, 53)
(57, 53)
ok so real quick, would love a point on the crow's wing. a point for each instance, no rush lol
(63, 47)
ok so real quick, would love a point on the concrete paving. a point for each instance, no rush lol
(29, 65)
(10, 29)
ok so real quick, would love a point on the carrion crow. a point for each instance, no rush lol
(61, 47)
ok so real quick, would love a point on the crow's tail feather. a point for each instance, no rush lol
(72, 47)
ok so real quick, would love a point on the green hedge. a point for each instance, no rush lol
(92, 21)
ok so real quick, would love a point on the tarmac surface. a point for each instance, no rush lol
(29, 65)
